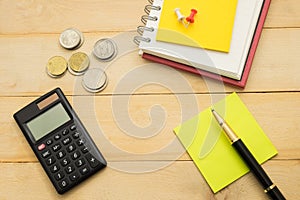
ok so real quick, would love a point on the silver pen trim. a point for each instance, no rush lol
(229, 132)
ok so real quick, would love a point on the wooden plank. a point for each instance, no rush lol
(139, 127)
(132, 119)
(27, 17)
(272, 66)
(281, 13)
(180, 180)
(24, 60)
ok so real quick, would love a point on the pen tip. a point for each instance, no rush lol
(212, 109)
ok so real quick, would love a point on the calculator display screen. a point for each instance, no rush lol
(48, 121)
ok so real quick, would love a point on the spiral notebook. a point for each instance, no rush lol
(232, 67)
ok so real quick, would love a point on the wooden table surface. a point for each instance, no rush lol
(140, 97)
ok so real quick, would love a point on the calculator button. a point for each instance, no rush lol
(65, 131)
(80, 142)
(65, 162)
(92, 160)
(74, 176)
(50, 160)
(54, 168)
(72, 127)
(41, 147)
(84, 170)
(69, 169)
(59, 176)
(75, 155)
(56, 147)
(85, 149)
(66, 141)
(57, 137)
(49, 142)
(63, 183)
(80, 162)
(61, 154)
(46, 153)
(71, 148)
(76, 135)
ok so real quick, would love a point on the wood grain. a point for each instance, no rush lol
(25, 57)
(179, 180)
(131, 121)
(283, 14)
(135, 134)
(36, 17)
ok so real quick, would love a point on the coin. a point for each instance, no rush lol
(81, 37)
(105, 49)
(94, 80)
(56, 66)
(78, 63)
(70, 38)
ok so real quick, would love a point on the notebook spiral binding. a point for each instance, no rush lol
(140, 29)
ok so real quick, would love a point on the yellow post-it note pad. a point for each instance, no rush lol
(210, 149)
(212, 27)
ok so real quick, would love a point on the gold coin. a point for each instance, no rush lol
(56, 66)
(78, 63)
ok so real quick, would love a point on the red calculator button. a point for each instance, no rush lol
(41, 147)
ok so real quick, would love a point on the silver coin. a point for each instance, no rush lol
(81, 37)
(105, 49)
(70, 39)
(94, 80)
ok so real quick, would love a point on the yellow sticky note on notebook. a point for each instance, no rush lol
(212, 28)
(210, 149)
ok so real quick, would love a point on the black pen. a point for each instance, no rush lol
(270, 188)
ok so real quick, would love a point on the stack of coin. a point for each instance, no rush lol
(56, 66)
(94, 80)
(78, 63)
(105, 49)
(71, 38)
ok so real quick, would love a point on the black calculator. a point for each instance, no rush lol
(59, 140)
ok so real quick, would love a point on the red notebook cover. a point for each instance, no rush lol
(239, 83)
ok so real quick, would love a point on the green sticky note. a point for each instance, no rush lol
(211, 150)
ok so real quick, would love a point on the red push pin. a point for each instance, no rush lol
(190, 19)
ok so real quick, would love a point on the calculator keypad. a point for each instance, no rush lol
(69, 157)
